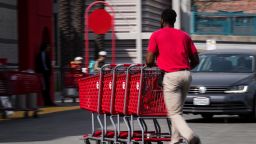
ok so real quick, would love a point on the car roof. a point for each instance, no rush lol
(231, 51)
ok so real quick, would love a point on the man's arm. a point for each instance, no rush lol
(150, 59)
(193, 54)
(96, 66)
(194, 60)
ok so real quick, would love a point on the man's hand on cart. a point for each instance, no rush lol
(150, 59)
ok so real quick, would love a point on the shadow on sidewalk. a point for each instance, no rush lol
(46, 127)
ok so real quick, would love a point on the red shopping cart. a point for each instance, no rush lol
(91, 92)
(71, 77)
(22, 87)
(145, 101)
(103, 95)
(129, 91)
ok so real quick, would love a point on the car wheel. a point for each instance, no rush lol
(207, 116)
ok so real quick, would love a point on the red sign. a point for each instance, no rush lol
(100, 21)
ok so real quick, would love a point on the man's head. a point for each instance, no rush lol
(168, 17)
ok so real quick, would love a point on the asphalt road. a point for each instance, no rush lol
(69, 126)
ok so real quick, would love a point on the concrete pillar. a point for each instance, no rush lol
(176, 5)
(139, 31)
(33, 17)
(185, 15)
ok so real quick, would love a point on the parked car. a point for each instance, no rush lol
(224, 82)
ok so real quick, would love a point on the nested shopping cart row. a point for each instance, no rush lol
(22, 90)
(126, 92)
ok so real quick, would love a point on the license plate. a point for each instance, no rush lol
(203, 101)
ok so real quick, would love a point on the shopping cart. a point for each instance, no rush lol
(23, 90)
(71, 77)
(106, 91)
(129, 91)
(145, 101)
(91, 91)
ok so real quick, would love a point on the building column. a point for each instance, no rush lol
(34, 16)
(139, 31)
(186, 15)
(176, 5)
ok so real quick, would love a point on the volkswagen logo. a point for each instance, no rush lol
(202, 89)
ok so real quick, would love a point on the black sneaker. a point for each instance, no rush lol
(195, 140)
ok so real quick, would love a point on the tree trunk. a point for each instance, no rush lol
(99, 38)
(71, 23)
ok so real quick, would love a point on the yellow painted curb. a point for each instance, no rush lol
(42, 111)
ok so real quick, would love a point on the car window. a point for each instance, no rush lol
(230, 63)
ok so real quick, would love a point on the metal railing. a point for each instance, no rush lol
(223, 23)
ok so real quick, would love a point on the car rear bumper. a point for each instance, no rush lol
(220, 104)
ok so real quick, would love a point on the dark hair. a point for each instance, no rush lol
(169, 16)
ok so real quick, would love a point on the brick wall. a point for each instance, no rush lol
(247, 6)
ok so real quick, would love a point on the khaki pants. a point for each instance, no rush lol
(176, 86)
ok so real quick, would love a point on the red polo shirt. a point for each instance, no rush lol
(173, 48)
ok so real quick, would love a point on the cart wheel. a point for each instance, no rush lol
(98, 142)
(160, 143)
(148, 143)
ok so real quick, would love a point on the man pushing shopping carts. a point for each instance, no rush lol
(175, 55)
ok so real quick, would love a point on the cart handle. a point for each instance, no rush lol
(86, 31)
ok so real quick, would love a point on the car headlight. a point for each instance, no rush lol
(237, 89)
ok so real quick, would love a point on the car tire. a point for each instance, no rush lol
(207, 116)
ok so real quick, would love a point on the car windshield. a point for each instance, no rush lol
(228, 63)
